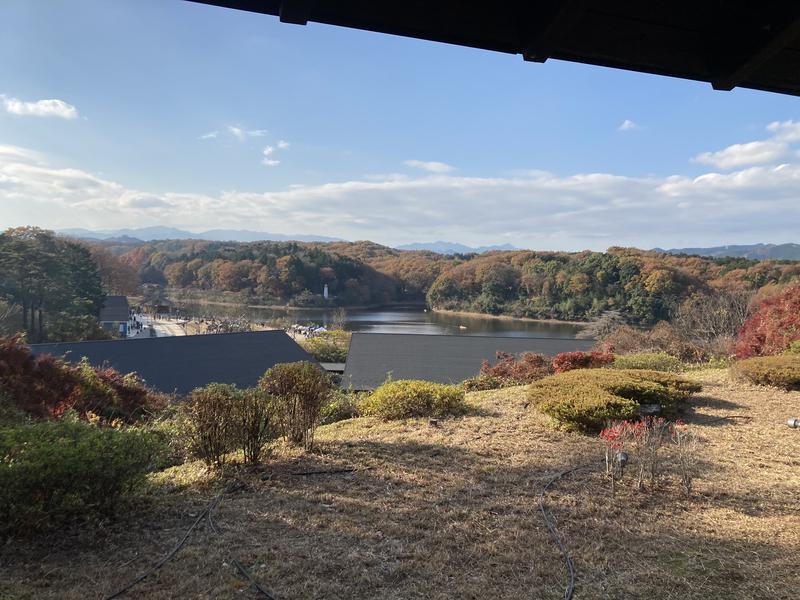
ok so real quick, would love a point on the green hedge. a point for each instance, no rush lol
(53, 470)
(648, 361)
(585, 399)
(404, 399)
(781, 371)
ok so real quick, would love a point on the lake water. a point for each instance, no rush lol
(398, 319)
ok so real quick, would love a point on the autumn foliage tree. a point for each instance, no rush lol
(774, 325)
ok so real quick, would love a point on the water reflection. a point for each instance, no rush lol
(398, 319)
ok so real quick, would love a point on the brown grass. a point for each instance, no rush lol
(450, 511)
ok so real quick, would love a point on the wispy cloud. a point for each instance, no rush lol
(242, 134)
(283, 144)
(51, 107)
(430, 166)
(740, 155)
(209, 136)
(628, 125)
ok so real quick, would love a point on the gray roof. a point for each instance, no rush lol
(440, 358)
(182, 363)
(115, 310)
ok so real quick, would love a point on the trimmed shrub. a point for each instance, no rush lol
(409, 398)
(328, 346)
(584, 400)
(253, 422)
(781, 371)
(484, 382)
(772, 327)
(517, 370)
(794, 348)
(569, 361)
(53, 470)
(341, 405)
(300, 390)
(649, 361)
(208, 422)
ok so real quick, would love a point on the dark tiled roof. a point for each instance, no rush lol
(182, 363)
(115, 309)
(441, 358)
(729, 44)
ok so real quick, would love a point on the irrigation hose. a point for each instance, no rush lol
(205, 514)
(570, 567)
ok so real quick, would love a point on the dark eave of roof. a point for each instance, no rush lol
(727, 43)
(182, 363)
(373, 357)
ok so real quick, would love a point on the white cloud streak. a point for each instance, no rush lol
(535, 209)
(243, 134)
(51, 107)
(740, 155)
(430, 166)
(627, 125)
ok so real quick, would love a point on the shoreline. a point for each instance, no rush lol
(465, 313)
(283, 307)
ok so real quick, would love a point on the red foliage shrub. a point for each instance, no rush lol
(525, 368)
(772, 327)
(47, 387)
(567, 361)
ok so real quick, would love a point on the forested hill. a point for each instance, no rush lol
(645, 286)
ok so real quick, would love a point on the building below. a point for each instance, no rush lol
(375, 357)
(181, 363)
(114, 316)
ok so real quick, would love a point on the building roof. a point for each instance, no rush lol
(730, 43)
(373, 357)
(182, 363)
(115, 309)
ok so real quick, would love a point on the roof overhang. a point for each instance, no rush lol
(727, 43)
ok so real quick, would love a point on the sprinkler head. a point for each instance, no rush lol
(793, 423)
(622, 458)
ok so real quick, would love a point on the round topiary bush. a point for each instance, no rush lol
(585, 399)
(648, 361)
(781, 371)
(405, 399)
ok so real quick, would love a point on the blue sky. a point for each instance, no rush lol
(174, 113)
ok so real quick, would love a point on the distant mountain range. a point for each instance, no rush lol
(147, 234)
(454, 248)
(751, 251)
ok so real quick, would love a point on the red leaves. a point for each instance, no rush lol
(47, 387)
(526, 368)
(567, 361)
(772, 327)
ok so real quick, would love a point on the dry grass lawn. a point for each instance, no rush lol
(450, 511)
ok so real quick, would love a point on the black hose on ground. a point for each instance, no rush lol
(570, 588)
(206, 513)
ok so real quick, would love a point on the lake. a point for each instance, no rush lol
(397, 319)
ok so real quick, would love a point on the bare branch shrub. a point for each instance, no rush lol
(299, 390)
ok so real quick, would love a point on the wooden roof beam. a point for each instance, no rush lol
(753, 62)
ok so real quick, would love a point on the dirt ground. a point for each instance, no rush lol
(450, 510)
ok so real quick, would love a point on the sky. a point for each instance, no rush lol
(135, 113)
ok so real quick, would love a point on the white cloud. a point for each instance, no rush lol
(268, 150)
(539, 209)
(209, 136)
(741, 155)
(785, 131)
(283, 144)
(242, 134)
(430, 166)
(40, 108)
(627, 125)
